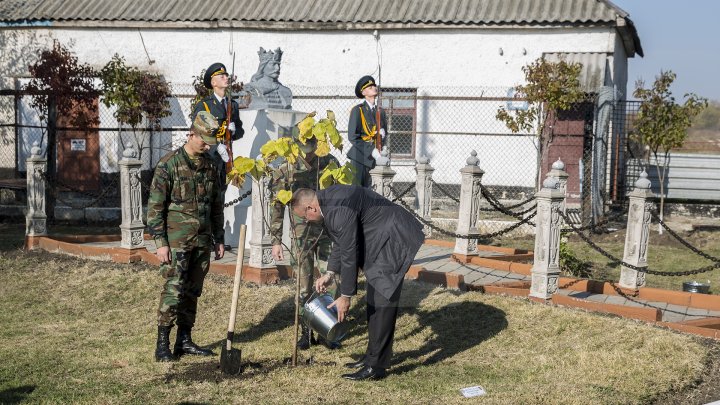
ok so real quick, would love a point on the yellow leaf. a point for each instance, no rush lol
(331, 115)
(323, 149)
(242, 164)
(305, 126)
(335, 138)
(345, 174)
(269, 150)
(326, 179)
(318, 131)
(284, 196)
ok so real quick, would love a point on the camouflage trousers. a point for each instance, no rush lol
(184, 279)
(309, 255)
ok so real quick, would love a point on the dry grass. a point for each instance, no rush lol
(78, 331)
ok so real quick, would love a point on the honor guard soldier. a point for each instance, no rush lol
(362, 129)
(216, 78)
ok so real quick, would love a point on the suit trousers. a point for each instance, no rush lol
(381, 317)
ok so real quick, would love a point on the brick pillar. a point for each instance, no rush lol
(423, 187)
(471, 176)
(637, 234)
(546, 266)
(132, 225)
(382, 175)
(35, 218)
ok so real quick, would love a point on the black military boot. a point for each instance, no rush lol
(185, 345)
(162, 349)
(306, 338)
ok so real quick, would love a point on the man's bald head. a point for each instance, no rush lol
(304, 204)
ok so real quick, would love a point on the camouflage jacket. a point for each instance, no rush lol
(185, 206)
(306, 175)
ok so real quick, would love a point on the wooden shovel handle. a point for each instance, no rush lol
(236, 283)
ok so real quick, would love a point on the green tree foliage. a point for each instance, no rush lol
(134, 93)
(662, 123)
(550, 87)
(139, 97)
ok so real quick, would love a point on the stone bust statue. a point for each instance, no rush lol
(266, 90)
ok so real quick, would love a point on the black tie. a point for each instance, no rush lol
(224, 104)
(372, 111)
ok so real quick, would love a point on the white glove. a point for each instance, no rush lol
(231, 127)
(222, 151)
(382, 133)
(375, 154)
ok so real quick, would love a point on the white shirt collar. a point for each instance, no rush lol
(219, 99)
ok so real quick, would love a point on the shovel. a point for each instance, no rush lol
(230, 358)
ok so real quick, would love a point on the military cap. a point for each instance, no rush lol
(214, 70)
(362, 84)
(205, 125)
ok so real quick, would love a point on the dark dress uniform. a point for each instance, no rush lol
(361, 134)
(219, 110)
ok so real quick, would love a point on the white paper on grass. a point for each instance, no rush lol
(470, 392)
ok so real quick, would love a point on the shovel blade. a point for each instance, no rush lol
(230, 361)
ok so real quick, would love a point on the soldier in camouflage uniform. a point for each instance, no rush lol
(305, 174)
(185, 218)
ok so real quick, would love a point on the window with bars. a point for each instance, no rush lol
(400, 106)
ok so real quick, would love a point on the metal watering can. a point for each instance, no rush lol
(322, 320)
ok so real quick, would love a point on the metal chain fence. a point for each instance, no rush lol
(443, 124)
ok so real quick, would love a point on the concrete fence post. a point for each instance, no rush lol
(471, 176)
(423, 188)
(637, 234)
(132, 225)
(558, 172)
(260, 241)
(546, 266)
(35, 218)
(382, 175)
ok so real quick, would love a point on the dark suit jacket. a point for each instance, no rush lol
(368, 231)
(361, 151)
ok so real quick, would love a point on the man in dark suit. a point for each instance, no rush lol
(216, 78)
(368, 231)
(362, 129)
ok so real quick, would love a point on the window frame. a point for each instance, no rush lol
(391, 110)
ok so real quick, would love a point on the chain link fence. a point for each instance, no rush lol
(443, 124)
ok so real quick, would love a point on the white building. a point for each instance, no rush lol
(457, 59)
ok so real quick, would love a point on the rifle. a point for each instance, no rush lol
(227, 140)
(378, 124)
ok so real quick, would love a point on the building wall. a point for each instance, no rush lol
(422, 59)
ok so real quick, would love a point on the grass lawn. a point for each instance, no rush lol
(81, 331)
(664, 254)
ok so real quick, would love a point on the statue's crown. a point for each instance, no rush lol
(266, 56)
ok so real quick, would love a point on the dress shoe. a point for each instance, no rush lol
(356, 364)
(366, 373)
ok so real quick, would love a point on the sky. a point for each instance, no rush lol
(678, 35)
